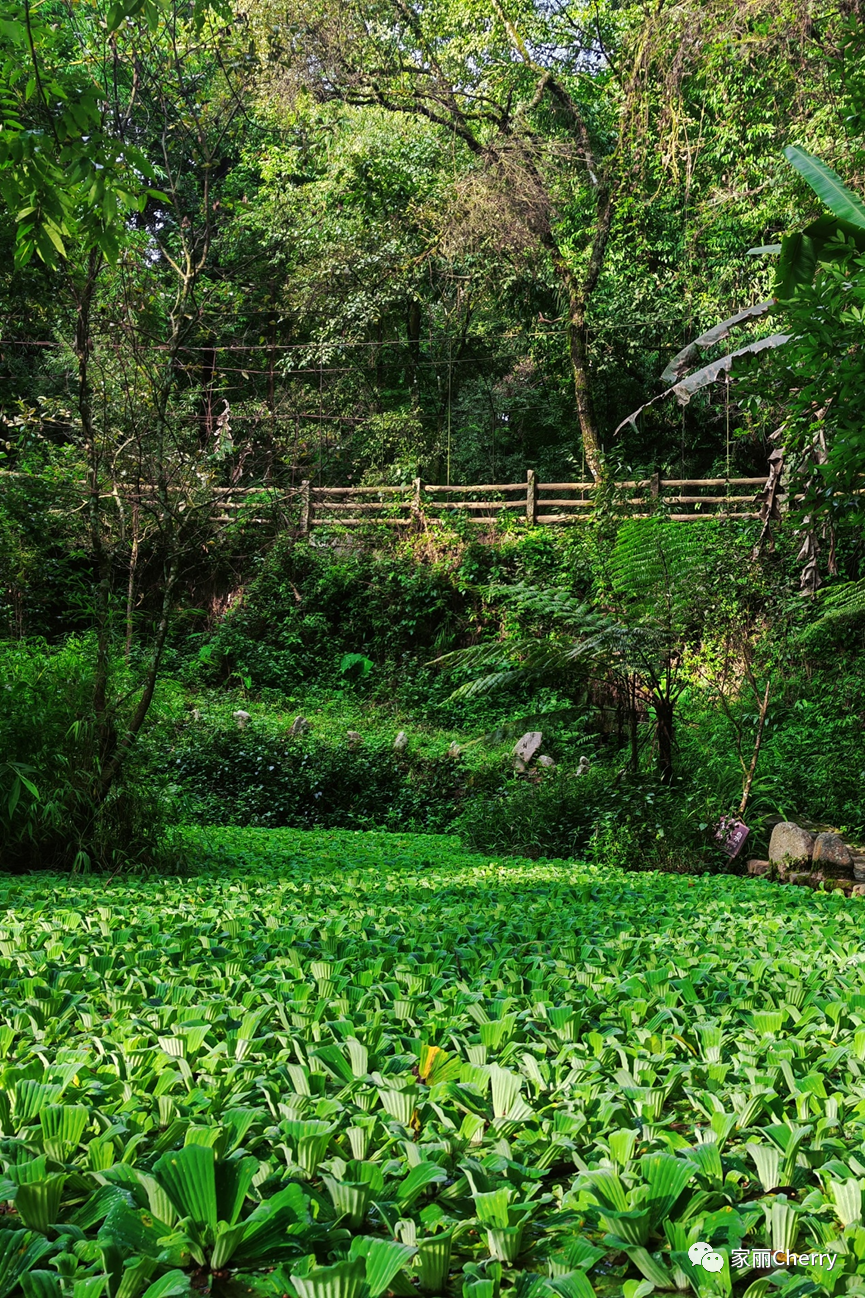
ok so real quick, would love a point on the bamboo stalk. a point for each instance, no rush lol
(485, 486)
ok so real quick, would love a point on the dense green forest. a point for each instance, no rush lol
(432, 633)
(246, 252)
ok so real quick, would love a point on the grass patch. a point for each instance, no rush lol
(424, 1069)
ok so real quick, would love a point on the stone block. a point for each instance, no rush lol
(756, 867)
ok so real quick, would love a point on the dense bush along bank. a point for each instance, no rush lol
(292, 641)
(255, 778)
(345, 1063)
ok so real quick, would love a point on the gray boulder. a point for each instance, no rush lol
(299, 726)
(400, 744)
(790, 841)
(241, 718)
(756, 867)
(355, 739)
(833, 856)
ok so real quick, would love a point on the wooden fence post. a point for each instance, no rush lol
(415, 500)
(305, 507)
(531, 497)
(655, 485)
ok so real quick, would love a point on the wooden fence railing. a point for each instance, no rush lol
(304, 507)
(537, 502)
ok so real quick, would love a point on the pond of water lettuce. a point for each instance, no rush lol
(342, 1065)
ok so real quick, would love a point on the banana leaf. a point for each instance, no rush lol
(828, 186)
(683, 360)
(802, 251)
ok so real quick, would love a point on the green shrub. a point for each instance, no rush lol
(50, 815)
(632, 822)
(227, 776)
(812, 762)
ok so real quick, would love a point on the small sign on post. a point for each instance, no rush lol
(731, 834)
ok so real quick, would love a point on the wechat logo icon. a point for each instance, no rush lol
(704, 1255)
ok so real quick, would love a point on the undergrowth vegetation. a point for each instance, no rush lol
(649, 650)
(53, 813)
(345, 1065)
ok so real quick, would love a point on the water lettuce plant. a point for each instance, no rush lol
(350, 1065)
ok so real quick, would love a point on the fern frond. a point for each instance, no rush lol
(840, 604)
(655, 565)
(557, 605)
(486, 684)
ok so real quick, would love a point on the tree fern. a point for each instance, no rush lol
(654, 570)
(654, 567)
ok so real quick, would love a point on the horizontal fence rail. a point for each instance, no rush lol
(303, 507)
(550, 503)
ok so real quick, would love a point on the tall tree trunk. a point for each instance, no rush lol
(130, 583)
(112, 768)
(413, 323)
(579, 292)
(633, 720)
(663, 708)
(93, 453)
